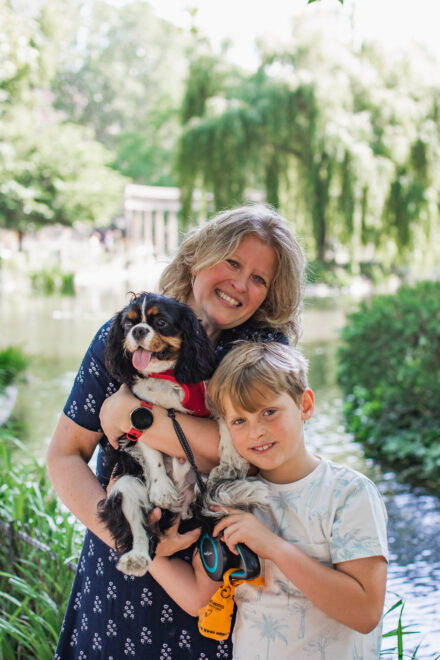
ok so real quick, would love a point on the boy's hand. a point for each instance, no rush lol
(243, 527)
(172, 541)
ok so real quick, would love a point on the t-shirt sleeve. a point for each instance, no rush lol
(359, 527)
(92, 384)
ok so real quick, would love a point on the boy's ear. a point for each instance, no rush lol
(307, 404)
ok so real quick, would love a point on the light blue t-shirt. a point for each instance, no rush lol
(334, 514)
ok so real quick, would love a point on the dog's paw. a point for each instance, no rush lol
(134, 563)
(165, 495)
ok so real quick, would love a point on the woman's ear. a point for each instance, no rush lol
(307, 404)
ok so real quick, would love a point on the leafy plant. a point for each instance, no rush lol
(388, 369)
(53, 280)
(12, 362)
(35, 556)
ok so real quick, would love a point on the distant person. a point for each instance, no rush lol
(323, 542)
(242, 273)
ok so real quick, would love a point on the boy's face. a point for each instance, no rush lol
(272, 438)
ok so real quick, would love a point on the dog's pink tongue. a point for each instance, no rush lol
(141, 359)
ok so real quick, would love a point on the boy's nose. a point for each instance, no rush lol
(256, 430)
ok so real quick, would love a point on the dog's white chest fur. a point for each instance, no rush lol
(161, 392)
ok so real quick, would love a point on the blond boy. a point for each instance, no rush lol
(322, 542)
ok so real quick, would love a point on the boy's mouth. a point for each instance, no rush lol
(261, 449)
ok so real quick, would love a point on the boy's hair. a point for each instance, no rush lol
(252, 369)
(211, 243)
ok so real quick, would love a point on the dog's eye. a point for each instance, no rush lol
(161, 323)
(128, 325)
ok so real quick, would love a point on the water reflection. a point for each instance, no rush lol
(56, 332)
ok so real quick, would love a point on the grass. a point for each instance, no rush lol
(36, 576)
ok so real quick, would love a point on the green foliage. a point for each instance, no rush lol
(34, 584)
(12, 362)
(389, 365)
(345, 142)
(121, 75)
(53, 280)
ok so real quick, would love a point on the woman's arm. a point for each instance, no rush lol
(201, 433)
(352, 594)
(188, 585)
(70, 449)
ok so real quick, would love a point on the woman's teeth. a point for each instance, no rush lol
(263, 447)
(227, 298)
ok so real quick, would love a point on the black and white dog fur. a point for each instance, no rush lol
(151, 335)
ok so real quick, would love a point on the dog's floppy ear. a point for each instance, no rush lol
(118, 364)
(197, 359)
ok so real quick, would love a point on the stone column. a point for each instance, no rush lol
(159, 233)
(172, 233)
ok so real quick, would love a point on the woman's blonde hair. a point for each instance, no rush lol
(213, 242)
(252, 369)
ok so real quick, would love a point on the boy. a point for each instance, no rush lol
(322, 543)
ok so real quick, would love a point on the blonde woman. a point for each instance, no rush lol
(242, 273)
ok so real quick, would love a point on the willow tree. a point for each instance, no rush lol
(347, 138)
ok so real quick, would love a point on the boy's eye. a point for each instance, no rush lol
(269, 412)
(238, 421)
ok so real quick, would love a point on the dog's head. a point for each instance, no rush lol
(155, 333)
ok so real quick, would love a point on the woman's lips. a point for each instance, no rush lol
(224, 296)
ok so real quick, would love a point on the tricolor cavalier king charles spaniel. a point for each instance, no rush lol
(159, 349)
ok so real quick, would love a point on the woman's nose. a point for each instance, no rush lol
(240, 281)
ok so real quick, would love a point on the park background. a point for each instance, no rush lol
(329, 112)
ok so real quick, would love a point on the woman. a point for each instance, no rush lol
(242, 273)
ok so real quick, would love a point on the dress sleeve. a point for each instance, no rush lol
(359, 527)
(92, 384)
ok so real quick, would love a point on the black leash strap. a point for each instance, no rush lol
(186, 448)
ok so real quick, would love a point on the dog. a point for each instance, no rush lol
(159, 349)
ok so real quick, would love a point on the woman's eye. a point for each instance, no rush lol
(259, 279)
(232, 263)
(237, 422)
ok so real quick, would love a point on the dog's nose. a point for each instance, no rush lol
(139, 332)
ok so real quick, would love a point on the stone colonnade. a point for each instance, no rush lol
(150, 214)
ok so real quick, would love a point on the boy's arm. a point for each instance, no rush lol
(353, 594)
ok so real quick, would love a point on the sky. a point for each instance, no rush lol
(394, 22)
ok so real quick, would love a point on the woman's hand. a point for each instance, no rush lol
(115, 414)
(243, 527)
(171, 542)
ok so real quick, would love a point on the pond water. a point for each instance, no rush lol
(56, 332)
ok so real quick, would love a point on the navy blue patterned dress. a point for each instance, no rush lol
(110, 615)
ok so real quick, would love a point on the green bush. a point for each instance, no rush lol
(53, 280)
(389, 365)
(12, 362)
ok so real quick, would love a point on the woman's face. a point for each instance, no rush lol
(227, 294)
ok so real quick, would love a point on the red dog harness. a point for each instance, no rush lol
(193, 400)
